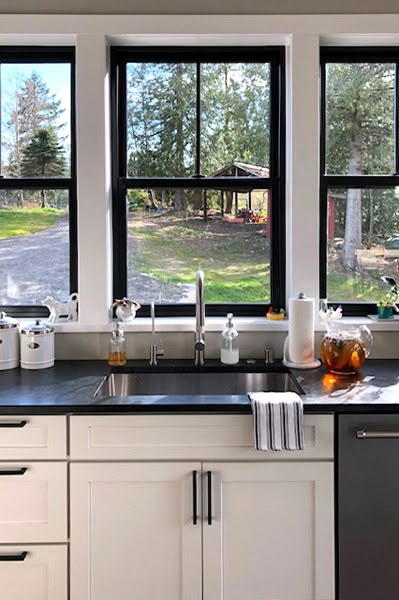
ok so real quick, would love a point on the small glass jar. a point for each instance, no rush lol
(117, 347)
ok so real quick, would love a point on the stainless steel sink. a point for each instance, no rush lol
(194, 383)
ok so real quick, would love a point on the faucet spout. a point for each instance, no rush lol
(199, 340)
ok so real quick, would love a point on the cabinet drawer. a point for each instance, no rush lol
(33, 502)
(33, 572)
(187, 437)
(32, 437)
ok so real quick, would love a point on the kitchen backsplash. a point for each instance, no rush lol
(75, 346)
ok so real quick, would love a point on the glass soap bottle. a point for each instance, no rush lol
(229, 353)
(117, 346)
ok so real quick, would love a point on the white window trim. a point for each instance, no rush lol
(92, 34)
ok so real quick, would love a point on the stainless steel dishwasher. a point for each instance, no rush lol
(368, 507)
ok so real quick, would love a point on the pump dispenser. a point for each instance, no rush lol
(117, 347)
(229, 353)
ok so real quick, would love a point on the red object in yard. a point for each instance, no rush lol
(268, 220)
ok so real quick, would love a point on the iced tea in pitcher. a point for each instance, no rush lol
(344, 348)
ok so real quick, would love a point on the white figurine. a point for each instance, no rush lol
(125, 310)
(65, 309)
(331, 314)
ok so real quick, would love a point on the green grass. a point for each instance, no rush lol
(235, 263)
(342, 288)
(23, 221)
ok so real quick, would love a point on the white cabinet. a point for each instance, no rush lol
(269, 532)
(33, 572)
(133, 535)
(33, 502)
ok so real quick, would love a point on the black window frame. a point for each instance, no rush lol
(49, 55)
(352, 54)
(275, 55)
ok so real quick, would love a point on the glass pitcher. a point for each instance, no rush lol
(345, 347)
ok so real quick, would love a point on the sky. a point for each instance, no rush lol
(57, 79)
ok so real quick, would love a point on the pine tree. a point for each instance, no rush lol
(33, 108)
(43, 156)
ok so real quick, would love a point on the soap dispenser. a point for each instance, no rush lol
(117, 347)
(229, 353)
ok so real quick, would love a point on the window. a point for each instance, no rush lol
(198, 177)
(359, 178)
(38, 245)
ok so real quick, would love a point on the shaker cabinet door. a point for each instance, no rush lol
(134, 535)
(268, 531)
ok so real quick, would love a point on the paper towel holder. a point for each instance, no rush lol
(313, 364)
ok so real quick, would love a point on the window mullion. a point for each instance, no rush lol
(396, 117)
(198, 122)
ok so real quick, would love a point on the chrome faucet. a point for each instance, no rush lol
(156, 349)
(199, 339)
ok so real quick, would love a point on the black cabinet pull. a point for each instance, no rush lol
(13, 424)
(194, 497)
(6, 472)
(209, 475)
(13, 557)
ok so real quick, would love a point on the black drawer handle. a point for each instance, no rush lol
(13, 424)
(7, 472)
(209, 497)
(13, 557)
(194, 497)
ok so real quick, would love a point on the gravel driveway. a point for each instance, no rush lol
(37, 265)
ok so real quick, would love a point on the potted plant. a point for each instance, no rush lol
(387, 305)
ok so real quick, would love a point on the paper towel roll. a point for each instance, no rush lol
(301, 330)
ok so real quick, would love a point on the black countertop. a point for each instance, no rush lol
(68, 387)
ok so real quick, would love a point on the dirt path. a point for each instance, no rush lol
(35, 266)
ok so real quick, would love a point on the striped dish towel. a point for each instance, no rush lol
(278, 420)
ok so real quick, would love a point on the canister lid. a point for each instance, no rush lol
(37, 328)
(7, 322)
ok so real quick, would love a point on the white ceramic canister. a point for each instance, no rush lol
(9, 343)
(37, 346)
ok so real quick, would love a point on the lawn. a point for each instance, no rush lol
(234, 256)
(23, 221)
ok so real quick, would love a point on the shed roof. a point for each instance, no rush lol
(240, 169)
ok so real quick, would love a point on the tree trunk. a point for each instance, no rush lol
(43, 199)
(20, 199)
(180, 200)
(353, 220)
(197, 200)
(371, 222)
(229, 202)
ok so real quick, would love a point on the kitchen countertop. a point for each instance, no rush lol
(68, 387)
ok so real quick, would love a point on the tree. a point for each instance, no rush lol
(161, 119)
(32, 108)
(359, 135)
(43, 156)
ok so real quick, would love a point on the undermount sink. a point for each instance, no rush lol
(152, 383)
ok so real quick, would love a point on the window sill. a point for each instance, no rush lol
(172, 324)
(212, 324)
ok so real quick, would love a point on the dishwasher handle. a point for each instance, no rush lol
(364, 434)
